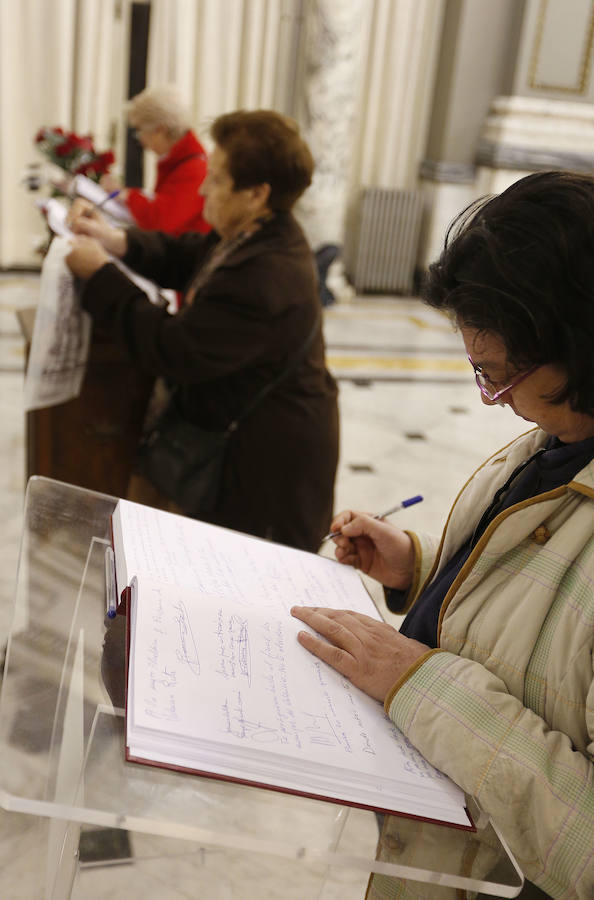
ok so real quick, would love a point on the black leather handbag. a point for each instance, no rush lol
(185, 461)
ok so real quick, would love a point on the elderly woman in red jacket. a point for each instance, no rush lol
(162, 125)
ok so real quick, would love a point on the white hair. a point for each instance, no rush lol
(159, 106)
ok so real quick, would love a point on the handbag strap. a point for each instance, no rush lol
(290, 367)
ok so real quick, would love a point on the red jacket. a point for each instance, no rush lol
(176, 206)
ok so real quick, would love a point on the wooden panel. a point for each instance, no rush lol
(91, 441)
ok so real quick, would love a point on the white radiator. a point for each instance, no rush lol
(381, 254)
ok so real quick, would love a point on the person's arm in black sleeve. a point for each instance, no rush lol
(167, 260)
(209, 340)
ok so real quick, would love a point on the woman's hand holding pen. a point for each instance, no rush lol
(372, 655)
(110, 183)
(378, 548)
(114, 187)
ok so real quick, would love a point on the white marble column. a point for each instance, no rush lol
(329, 79)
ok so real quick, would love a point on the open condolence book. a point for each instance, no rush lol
(218, 684)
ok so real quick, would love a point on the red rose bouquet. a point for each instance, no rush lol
(73, 153)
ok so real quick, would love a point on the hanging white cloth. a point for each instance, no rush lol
(61, 335)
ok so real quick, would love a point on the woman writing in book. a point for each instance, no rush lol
(490, 675)
(161, 124)
(245, 355)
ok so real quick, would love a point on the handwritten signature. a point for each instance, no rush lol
(188, 652)
(243, 648)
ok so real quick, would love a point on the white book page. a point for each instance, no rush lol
(225, 565)
(211, 673)
(217, 666)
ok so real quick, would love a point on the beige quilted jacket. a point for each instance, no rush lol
(505, 706)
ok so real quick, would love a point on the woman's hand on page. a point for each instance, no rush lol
(378, 548)
(371, 654)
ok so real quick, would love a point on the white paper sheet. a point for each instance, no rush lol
(56, 215)
(94, 193)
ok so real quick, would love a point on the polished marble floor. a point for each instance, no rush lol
(412, 423)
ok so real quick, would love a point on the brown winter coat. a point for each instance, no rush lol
(252, 315)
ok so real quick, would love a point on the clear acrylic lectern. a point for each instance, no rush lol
(62, 751)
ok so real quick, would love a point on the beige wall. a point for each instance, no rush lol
(476, 58)
(555, 54)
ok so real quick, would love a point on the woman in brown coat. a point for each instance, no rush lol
(251, 305)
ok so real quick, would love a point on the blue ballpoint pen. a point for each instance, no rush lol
(410, 502)
(105, 199)
(110, 585)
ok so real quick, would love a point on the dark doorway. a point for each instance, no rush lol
(139, 32)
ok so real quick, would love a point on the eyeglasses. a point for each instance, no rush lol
(486, 386)
(143, 129)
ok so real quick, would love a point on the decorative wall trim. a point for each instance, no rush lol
(539, 107)
(584, 66)
(535, 134)
(531, 159)
(452, 172)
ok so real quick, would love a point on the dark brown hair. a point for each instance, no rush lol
(521, 265)
(264, 147)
